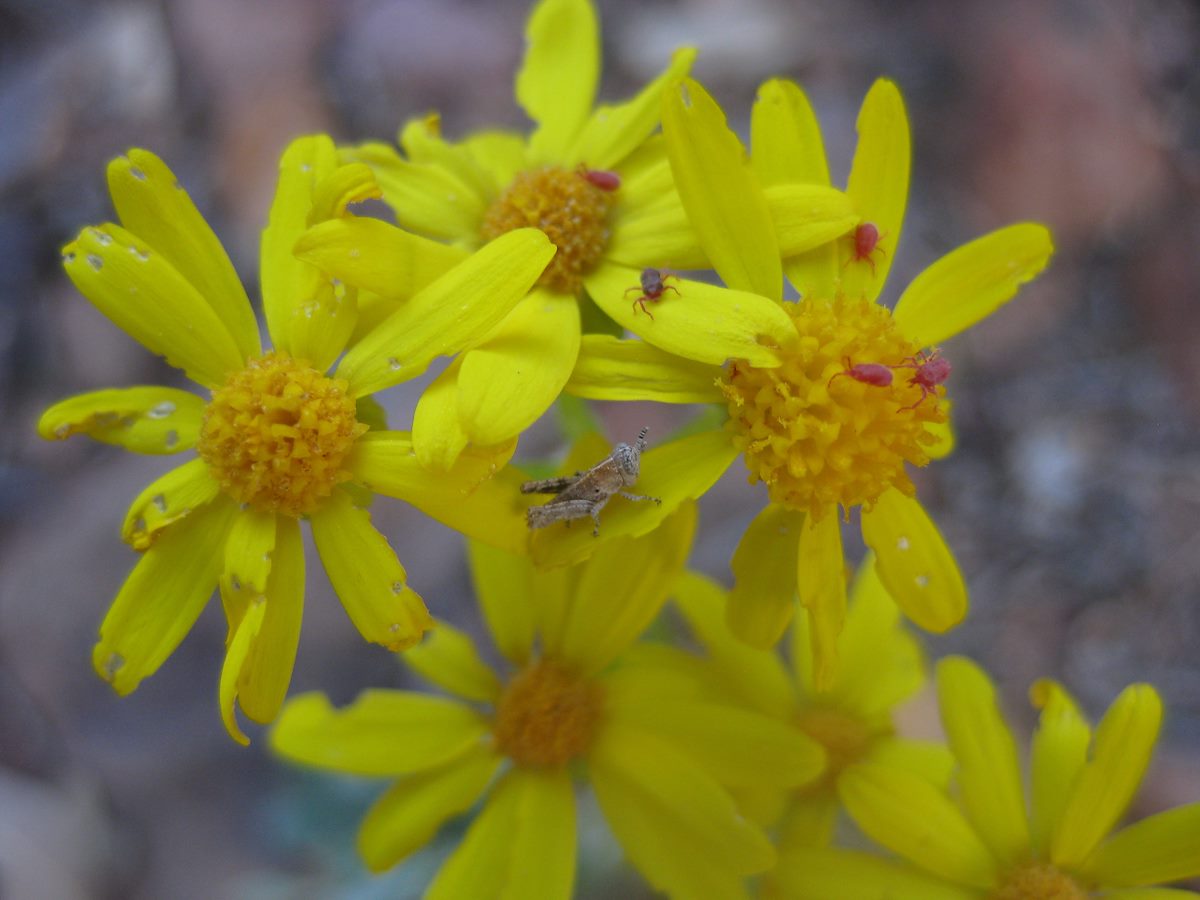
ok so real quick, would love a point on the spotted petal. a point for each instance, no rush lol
(368, 578)
(162, 598)
(153, 206)
(146, 297)
(447, 315)
(914, 562)
(166, 500)
(150, 419)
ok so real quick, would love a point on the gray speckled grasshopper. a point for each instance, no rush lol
(586, 493)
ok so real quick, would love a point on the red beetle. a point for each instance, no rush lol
(600, 178)
(930, 369)
(653, 285)
(875, 374)
(866, 240)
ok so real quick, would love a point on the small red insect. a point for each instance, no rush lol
(653, 286)
(600, 178)
(931, 369)
(866, 239)
(875, 374)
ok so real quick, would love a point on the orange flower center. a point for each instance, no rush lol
(547, 715)
(568, 208)
(835, 424)
(276, 433)
(1038, 881)
(845, 738)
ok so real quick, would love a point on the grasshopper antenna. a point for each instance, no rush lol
(641, 440)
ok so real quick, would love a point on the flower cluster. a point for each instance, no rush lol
(542, 265)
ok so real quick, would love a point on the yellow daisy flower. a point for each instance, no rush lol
(592, 178)
(819, 431)
(576, 697)
(278, 440)
(994, 844)
(852, 719)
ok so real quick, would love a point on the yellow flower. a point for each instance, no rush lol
(558, 179)
(575, 697)
(279, 440)
(882, 666)
(818, 437)
(996, 845)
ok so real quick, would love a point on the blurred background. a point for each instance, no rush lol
(1073, 501)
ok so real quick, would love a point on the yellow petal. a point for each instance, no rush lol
(928, 760)
(611, 133)
(695, 320)
(161, 598)
(720, 192)
(381, 733)
(881, 664)
(763, 598)
(1151, 894)
(972, 282)
(785, 137)
(1125, 740)
(821, 578)
(286, 280)
(656, 234)
(621, 590)
(150, 419)
(914, 562)
(878, 186)
(264, 680)
(676, 472)
(166, 500)
(989, 775)
(444, 317)
(944, 433)
(521, 845)
(808, 216)
(503, 586)
(409, 814)
(911, 817)
(448, 658)
(466, 497)
(557, 81)
(428, 199)
(152, 205)
(809, 822)
(235, 657)
(333, 194)
(367, 576)
(612, 369)
(682, 831)
(513, 375)
(438, 437)
(422, 142)
(1058, 752)
(818, 873)
(758, 677)
(739, 748)
(146, 297)
(248, 553)
(377, 256)
(1157, 850)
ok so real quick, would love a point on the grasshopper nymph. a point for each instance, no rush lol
(586, 493)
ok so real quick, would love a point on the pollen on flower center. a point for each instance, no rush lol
(276, 433)
(547, 715)
(569, 210)
(819, 437)
(1038, 881)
